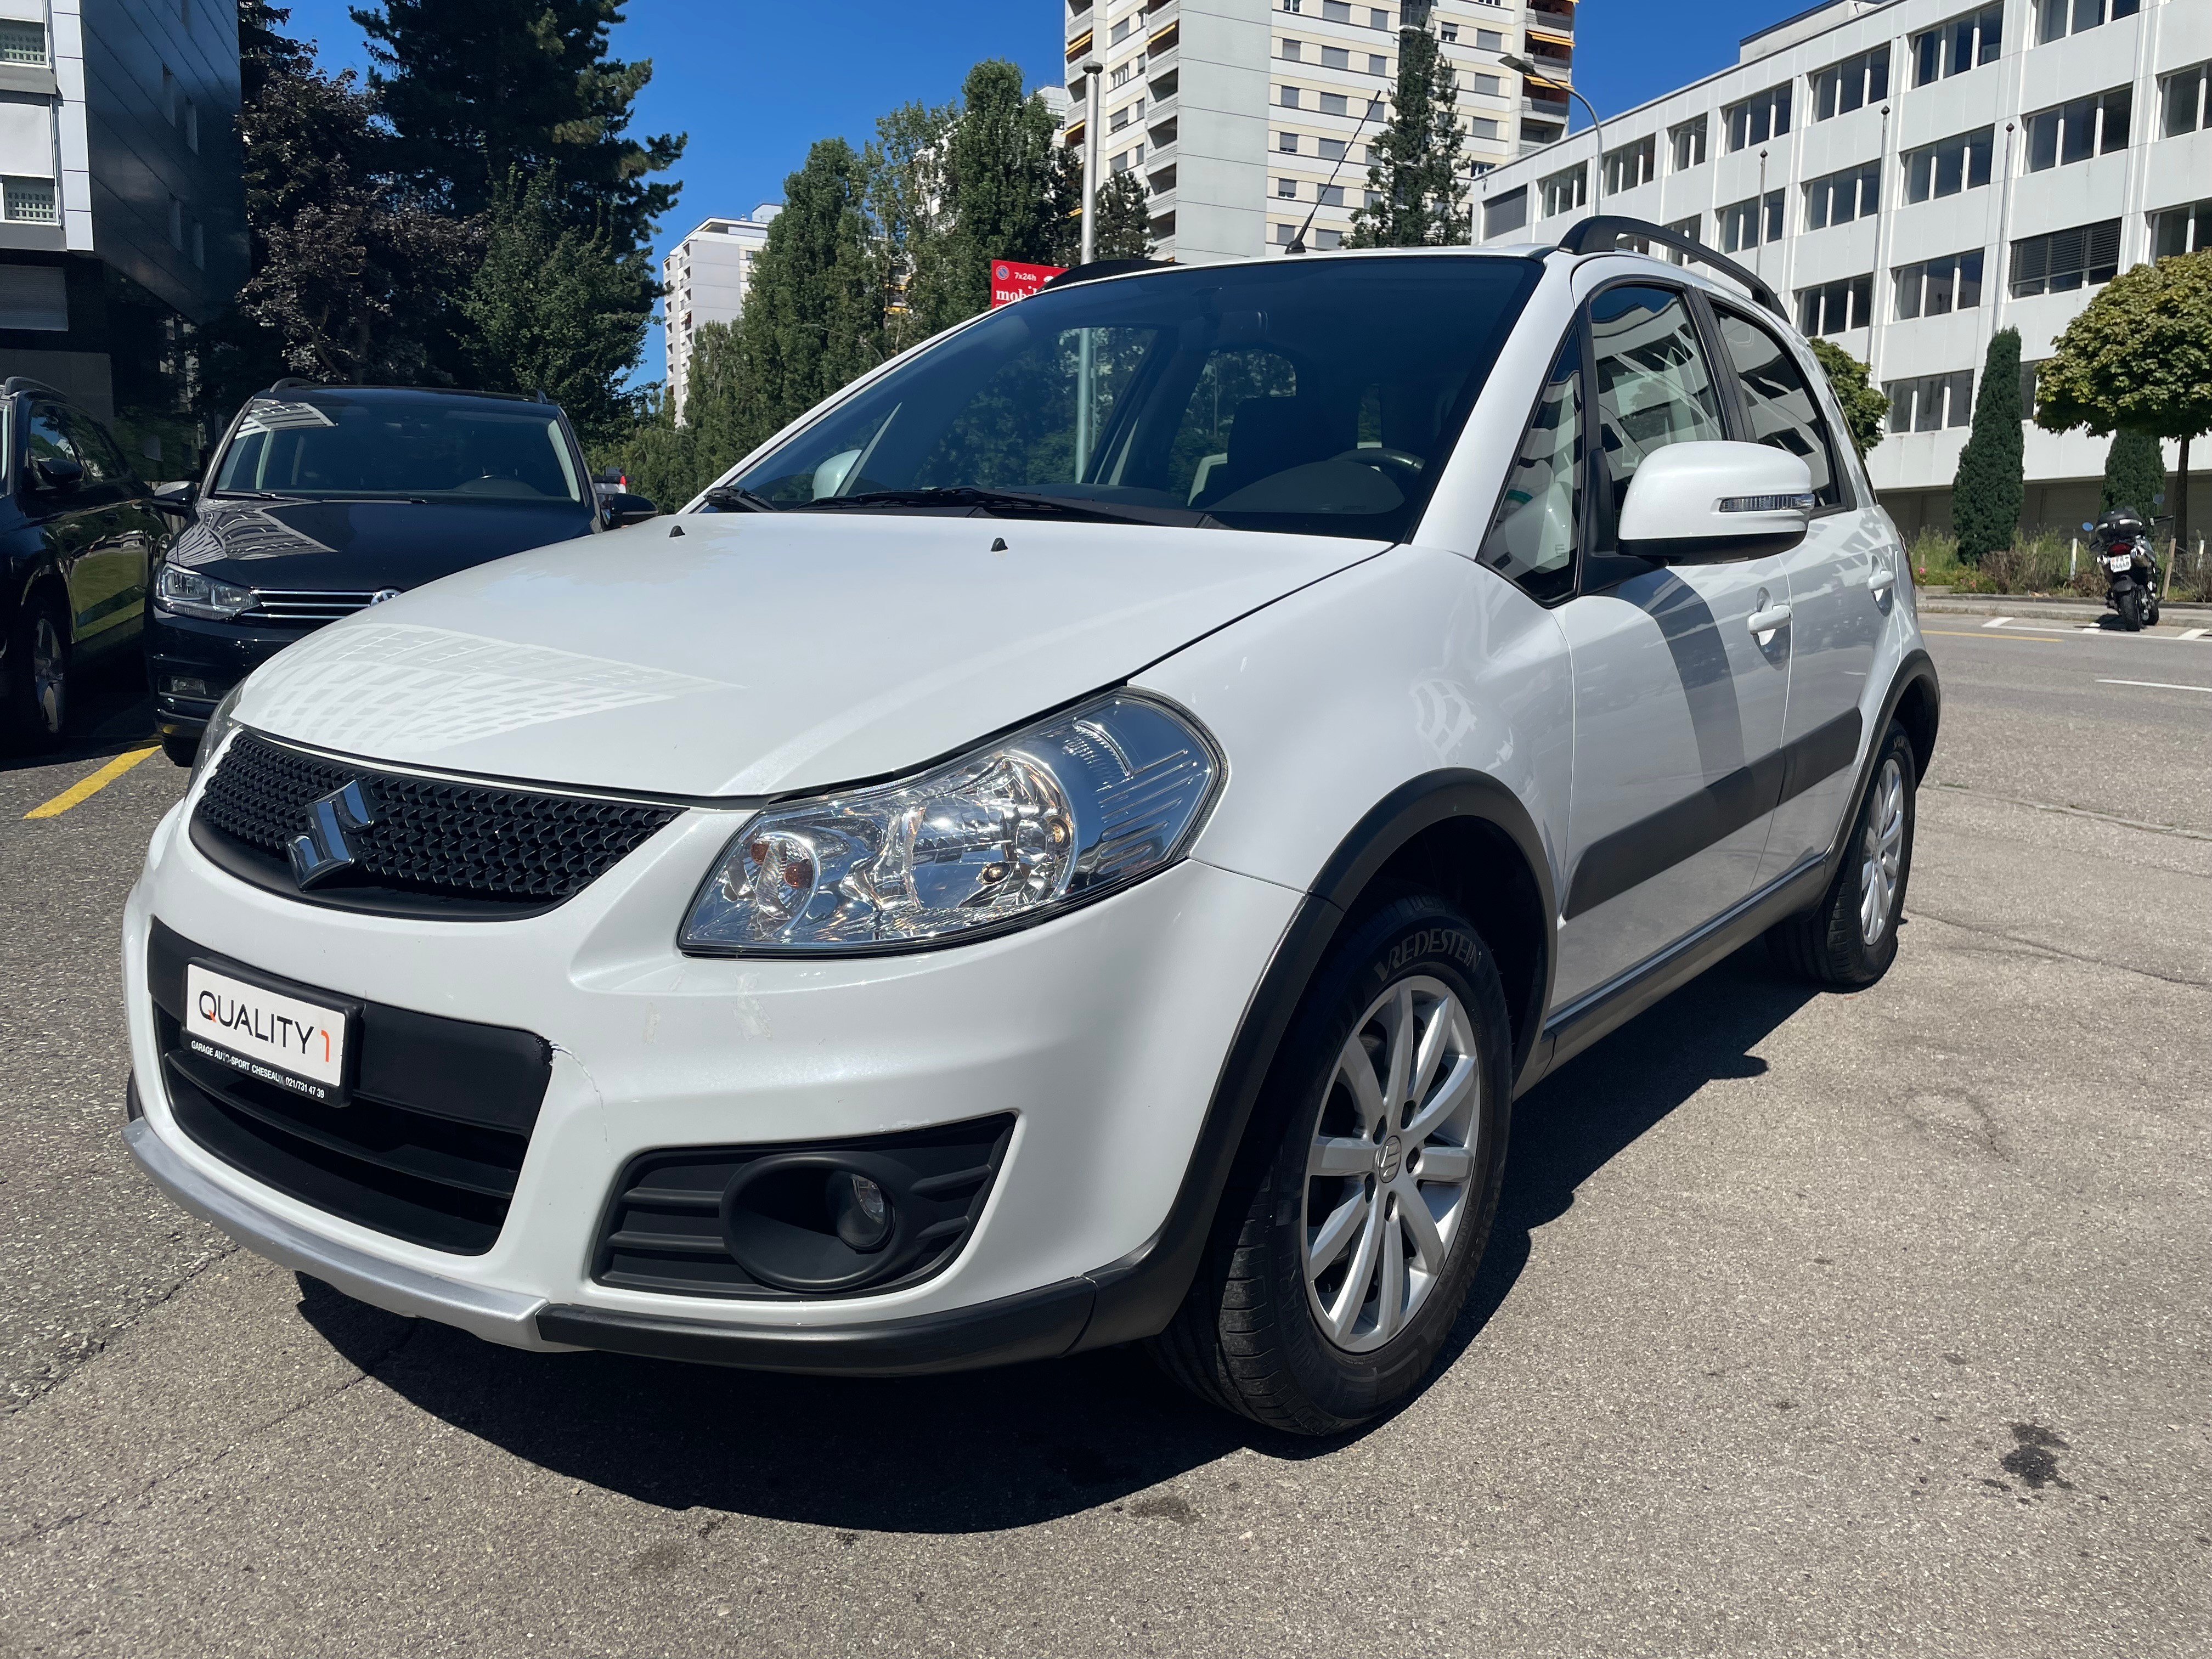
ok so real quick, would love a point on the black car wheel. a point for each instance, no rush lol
(37, 681)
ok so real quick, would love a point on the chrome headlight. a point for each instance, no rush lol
(190, 594)
(1070, 809)
(221, 725)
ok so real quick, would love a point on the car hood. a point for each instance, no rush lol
(753, 654)
(363, 545)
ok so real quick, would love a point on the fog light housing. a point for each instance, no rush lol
(862, 1213)
(184, 685)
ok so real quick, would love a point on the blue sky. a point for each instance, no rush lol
(754, 82)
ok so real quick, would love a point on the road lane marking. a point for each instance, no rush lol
(1996, 622)
(2015, 639)
(84, 788)
(2160, 685)
(2195, 633)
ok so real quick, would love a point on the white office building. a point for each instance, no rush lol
(1912, 175)
(704, 280)
(1243, 116)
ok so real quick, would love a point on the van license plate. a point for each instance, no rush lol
(277, 1038)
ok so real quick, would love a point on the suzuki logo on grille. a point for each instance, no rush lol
(324, 851)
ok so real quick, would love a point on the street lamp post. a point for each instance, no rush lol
(1520, 65)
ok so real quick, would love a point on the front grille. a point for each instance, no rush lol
(429, 1148)
(468, 848)
(667, 1227)
(305, 606)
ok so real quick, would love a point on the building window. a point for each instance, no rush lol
(1378, 20)
(1330, 195)
(1378, 65)
(1954, 48)
(1450, 32)
(1562, 192)
(1335, 11)
(1121, 32)
(1325, 240)
(1945, 169)
(1840, 197)
(1483, 127)
(1757, 119)
(1287, 97)
(28, 200)
(1293, 7)
(2176, 230)
(1287, 143)
(1121, 75)
(2076, 131)
(1121, 119)
(1687, 141)
(1505, 213)
(1692, 228)
(1287, 189)
(1489, 40)
(1935, 288)
(2066, 259)
(1332, 103)
(2183, 97)
(1335, 57)
(1832, 307)
(1283, 234)
(2056, 19)
(1489, 85)
(1749, 222)
(1859, 80)
(1332, 150)
(22, 43)
(1932, 402)
(1632, 165)
(1293, 50)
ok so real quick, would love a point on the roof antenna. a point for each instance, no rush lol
(1299, 242)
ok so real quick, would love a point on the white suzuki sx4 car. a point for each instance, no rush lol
(1080, 840)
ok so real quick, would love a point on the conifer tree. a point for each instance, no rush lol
(1417, 193)
(2135, 474)
(1988, 491)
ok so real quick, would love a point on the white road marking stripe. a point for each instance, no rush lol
(1996, 622)
(2195, 633)
(2159, 685)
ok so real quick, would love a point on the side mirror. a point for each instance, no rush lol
(57, 472)
(174, 499)
(621, 509)
(1710, 503)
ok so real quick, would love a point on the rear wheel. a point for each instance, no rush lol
(1850, 937)
(2131, 616)
(38, 680)
(1366, 1187)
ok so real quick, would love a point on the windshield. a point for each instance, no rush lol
(321, 448)
(1319, 396)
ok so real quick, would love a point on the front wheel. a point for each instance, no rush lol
(1849, 939)
(38, 688)
(1367, 1186)
(2131, 616)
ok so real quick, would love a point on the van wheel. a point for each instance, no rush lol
(1365, 1190)
(38, 680)
(1850, 937)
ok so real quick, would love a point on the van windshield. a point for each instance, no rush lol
(324, 446)
(1312, 395)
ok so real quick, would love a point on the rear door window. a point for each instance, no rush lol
(1655, 387)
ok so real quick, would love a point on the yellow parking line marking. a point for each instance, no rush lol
(2023, 639)
(84, 788)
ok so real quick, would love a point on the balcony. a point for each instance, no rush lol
(1164, 40)
(1555, 16)
(1078, 47)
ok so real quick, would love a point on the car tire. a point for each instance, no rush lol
(1849, 939)
(1319, 1206)
(37, 713)
(181, 748)
(2131, 610)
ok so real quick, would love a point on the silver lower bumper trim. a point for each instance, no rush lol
(503, 1316)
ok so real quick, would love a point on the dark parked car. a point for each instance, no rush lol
(77, 530)
(324, 500)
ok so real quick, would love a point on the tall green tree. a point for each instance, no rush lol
(1125, 219)
(813, 320)
(998, 183)
(1416, 190)
(907, 207)
(1989, 489)
(351, 273)
(2139, 357)
(2135, 474)
(558, 310)
(1866, 410)
(478, 89)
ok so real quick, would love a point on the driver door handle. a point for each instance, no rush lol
(1766, 622)
(1882, 581)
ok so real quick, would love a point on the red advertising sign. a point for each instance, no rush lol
(1010, 280)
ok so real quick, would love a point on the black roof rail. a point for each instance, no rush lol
(293, 383)
(1097, 268)
(25, 383)
(1607, 228)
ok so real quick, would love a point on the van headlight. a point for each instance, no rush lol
(1065, 811)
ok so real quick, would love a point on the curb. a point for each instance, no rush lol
(2074, 611)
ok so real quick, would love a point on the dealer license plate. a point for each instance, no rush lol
(271, 1035)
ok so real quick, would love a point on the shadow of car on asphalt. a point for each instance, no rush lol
(987, 1451)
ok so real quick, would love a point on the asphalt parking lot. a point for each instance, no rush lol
(1812, 1324)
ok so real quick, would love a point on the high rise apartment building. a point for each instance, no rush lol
(1243, 116)
(704, 280)
(1911, 176)
(122, 218)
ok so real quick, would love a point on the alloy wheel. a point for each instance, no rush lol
(1883, 852)
(49, 675)
(1391, 1164)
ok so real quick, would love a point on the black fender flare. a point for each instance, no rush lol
(1138, 1295)
(1915, 668)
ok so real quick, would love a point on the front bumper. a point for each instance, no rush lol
(216, 655)
(1103, 1031)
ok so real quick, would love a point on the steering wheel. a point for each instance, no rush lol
(1385, 461)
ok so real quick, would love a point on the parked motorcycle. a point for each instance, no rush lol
(2121, 542)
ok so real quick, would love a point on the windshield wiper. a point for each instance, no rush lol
(736, 498)
(1003, 503)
